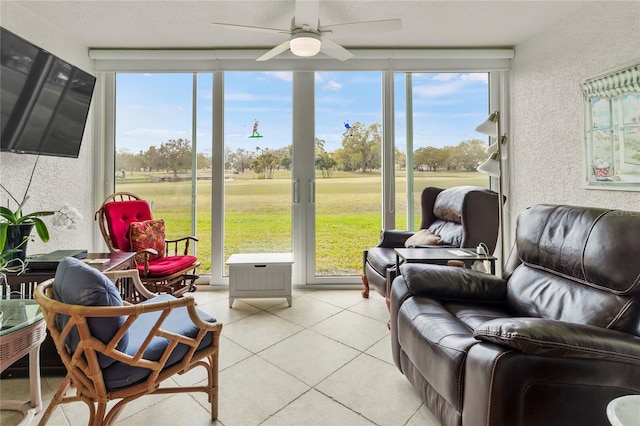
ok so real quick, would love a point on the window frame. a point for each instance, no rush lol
(612, 87)
(106, 63)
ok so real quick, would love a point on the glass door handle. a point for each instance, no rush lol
(296, 192)
(312, 191)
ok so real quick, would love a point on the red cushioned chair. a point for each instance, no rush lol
(123, 218)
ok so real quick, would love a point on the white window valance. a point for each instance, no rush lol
(403, 60)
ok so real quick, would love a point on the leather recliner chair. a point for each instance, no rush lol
(552, 343)
(464, 216)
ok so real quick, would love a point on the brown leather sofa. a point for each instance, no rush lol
(550, 344)
(464, 216)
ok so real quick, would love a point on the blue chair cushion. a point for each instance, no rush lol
(120, 375)
(76, 283)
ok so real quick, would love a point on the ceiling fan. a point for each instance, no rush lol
(307, 37)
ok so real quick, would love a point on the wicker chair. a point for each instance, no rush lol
(173, 271)
(148, 343)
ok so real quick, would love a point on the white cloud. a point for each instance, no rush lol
(143, 138)
(440, 89)
(333, 86)
(445, 76)
(280, 75)
(247, 97)
(476, 76)
(444, 84)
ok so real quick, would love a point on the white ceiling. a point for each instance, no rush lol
(187, 24)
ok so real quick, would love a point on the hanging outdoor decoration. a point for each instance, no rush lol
(348, 132)
(255, 133)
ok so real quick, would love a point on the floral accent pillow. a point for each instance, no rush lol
(147, 234)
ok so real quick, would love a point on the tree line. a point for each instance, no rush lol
(360, 151)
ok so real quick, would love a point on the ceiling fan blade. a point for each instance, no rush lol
(275, 51)
(333, 49)
(248, 28)
(365, 27)
(306, 14)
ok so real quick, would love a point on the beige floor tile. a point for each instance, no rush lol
(169, 410)
(305, 311)
(373, 388)
(310, 369)
(314, 408)
(220, 310)
(300, 355)
(374, 308)
(341, 298)
(262, 303)
(230, 353)
(382, 350)
(260, 331)
(423, 417)
(17, 389)
(253, 390)
(206, 294)
(355, 330)
(192, 377)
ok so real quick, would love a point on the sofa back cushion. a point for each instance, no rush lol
(578, 266)
(447, 210)
(464, 216)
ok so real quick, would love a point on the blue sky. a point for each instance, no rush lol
(153, 108)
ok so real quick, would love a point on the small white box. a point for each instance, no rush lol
(260, 275)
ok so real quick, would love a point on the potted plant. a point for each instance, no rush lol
(18, 218)
(16, 226)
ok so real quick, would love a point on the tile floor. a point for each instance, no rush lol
(324, 361)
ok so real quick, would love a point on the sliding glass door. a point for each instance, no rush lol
(163, 150)
(348, 146)
(257, 163)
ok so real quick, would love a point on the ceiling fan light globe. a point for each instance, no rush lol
(307, 44)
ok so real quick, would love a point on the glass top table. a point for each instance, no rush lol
(23, 331)
(18, 314)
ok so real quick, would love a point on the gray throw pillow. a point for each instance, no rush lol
(76, 283)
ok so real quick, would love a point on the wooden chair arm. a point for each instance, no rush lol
(134, 276)
(177, 240)
(172, 245)
(145, 254)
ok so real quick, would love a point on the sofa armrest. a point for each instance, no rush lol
(538, 336)
(393, 238)
(453, 283)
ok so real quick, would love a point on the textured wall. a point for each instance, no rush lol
(57, 181)
(546, 143)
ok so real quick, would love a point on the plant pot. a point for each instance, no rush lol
(601, 173)
(17, 238)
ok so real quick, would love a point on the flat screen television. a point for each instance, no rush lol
(44, 101)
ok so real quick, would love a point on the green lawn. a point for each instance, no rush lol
(258, 212)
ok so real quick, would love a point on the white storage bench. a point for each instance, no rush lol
(260, 275)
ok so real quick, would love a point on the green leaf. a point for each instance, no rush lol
(3, 235)
(7, 214)
(41, 227)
